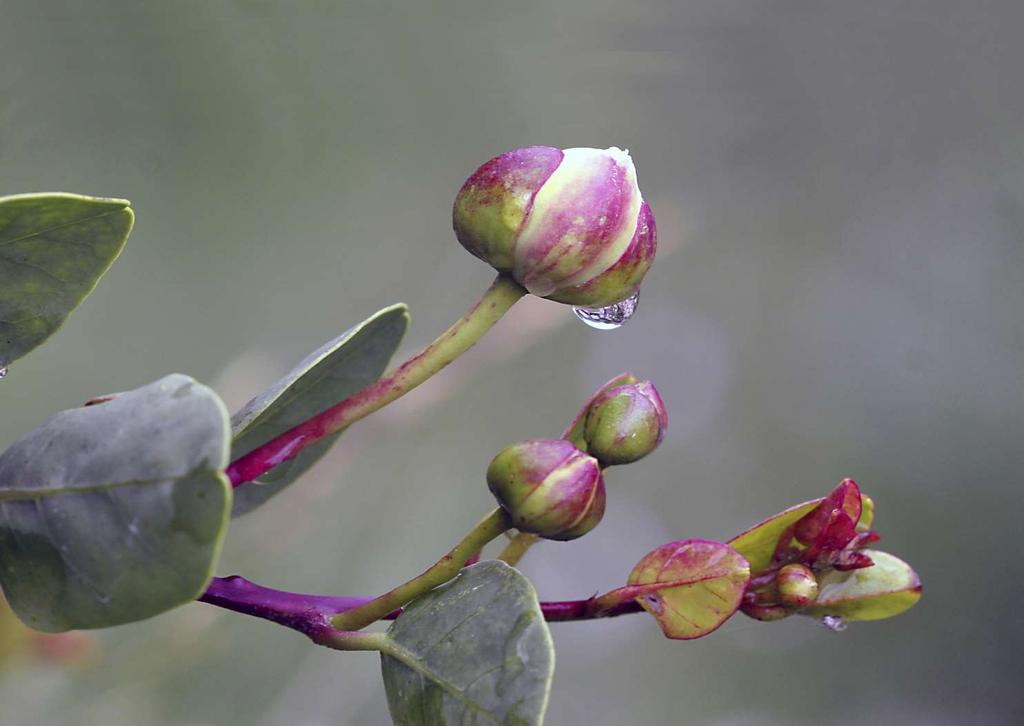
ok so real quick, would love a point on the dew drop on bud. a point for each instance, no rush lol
(834, 623)
(610, 317)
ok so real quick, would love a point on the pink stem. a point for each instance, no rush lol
(455, 341)
(311, 614)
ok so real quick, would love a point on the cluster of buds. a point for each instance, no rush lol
(810, 559)
(819, 563)
(554, 488)
(568, 225)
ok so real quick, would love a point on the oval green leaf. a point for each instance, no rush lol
(758, 543)
(691, 586)
(887, 588)
(115, 512)
(54, 248)
(474, 651)
(335, 371)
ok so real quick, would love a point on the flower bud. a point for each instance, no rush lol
(570, 226)
(548, 487)
(797, 586)
(625, 424)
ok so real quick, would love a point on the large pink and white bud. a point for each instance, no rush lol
(568, 225)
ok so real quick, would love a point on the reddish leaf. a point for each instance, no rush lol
(691, 586)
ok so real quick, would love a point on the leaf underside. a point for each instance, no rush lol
(54, 248)
(335, 371)
(115, 512)
(474, 651)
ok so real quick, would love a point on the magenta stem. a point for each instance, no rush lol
(311, 614)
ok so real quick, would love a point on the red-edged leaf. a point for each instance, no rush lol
(691, 586)
(887, 588)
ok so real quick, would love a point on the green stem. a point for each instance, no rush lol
(492, 526)
(518, 547)
(455, 341)
(354, 641)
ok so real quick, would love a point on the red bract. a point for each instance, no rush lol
(826, 536)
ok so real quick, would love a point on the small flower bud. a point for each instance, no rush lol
(797, 586)
(567, 225)
(625, 424)
(548, 487)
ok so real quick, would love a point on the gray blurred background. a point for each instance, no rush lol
(839, 190)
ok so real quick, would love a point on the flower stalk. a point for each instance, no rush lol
(460, 337)
(311, 614)
(492, 526)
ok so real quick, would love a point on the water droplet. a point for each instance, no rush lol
(834, 623)
(611, 317)
(3, 372)
(654, 601)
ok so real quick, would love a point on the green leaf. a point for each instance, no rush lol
(335, 371)
(474, 651)
(54, 248)
(115, 512)
(887, 588)
(691, 586)
(758, 543)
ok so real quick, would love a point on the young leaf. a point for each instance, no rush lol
(691, 586)
(54, 248)
(341, 367)
(474, 651)
(115, 512)
(886, 588)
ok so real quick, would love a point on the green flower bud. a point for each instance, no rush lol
(548, 487)
(625, 424)
(568, 225)
(797, 586)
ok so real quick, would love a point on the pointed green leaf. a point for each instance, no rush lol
(887, 588)
(54, 248)
(474, 651)
(758, 543)
(335, 371)
(691, 586)
(115, 512)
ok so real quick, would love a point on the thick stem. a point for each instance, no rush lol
(311, 614)
(492, 526)
(455, 341)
